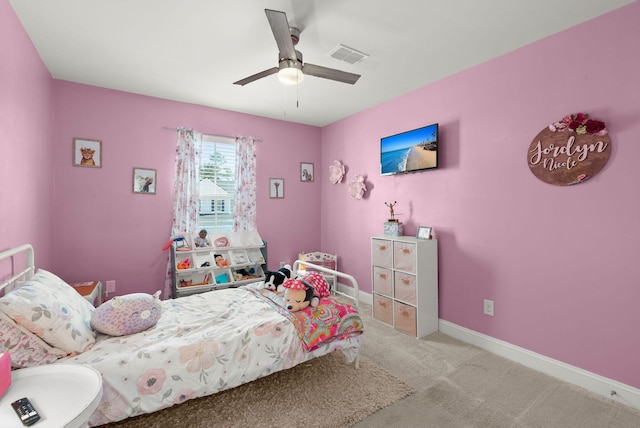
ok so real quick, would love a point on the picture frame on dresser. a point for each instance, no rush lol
(424, 232)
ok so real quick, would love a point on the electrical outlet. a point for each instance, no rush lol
(111, 286)
(488, 307)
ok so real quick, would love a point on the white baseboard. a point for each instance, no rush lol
(597, 384)
(363, 296)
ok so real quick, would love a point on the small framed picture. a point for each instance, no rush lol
(87, 152)
(306, 171)
(276, 188)
(424, 232)
(144, 180)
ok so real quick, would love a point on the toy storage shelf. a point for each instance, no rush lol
(405, 283)
(233, 259)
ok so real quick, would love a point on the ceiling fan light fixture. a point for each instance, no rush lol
(290, 68)
(290, 75)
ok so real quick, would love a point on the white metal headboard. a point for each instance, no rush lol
(355, 290)
(17, 274)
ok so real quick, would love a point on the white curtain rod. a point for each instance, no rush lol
(210, 135)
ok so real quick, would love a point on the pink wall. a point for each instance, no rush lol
(25, 142)
(559, 262)
(104, 231)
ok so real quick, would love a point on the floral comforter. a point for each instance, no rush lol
(330, 320)
(201, 345)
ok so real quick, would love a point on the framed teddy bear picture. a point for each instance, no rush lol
(87, 152)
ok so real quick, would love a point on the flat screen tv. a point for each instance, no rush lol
(410, 151)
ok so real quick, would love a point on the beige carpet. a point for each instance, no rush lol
(324, 392)
(459, 385)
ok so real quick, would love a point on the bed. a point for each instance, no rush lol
(200, 345)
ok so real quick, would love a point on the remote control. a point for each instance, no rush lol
(25, 411)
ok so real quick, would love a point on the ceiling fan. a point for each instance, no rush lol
(291, 69)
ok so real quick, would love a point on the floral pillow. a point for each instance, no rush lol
(26, 349)
(128, 314)
(52, 310)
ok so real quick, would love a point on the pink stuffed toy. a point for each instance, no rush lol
(319, 284)
(307, 291)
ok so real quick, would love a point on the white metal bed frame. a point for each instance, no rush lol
(354, 284)
(23, 274)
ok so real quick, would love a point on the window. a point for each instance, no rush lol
(217, 184)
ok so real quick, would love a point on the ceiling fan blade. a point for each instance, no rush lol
(330, 73)
(281, 32)
(256, 76)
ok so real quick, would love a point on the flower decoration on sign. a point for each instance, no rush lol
(357, 187)
(336, 172)
(579, 179)
(580, 124)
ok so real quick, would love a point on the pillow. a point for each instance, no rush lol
(26, 349)
(52, 310)
(127, 314)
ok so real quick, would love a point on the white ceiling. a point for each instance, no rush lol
(193, 50)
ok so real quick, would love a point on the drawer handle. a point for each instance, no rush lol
(382, 247)
(383, 275)
(406, 250)
(383, 304)
(405, 312)
(406, 281)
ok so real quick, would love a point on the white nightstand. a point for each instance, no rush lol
(65, 395)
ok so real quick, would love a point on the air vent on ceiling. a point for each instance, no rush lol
(347, 54)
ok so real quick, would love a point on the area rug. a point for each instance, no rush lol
(324, 392)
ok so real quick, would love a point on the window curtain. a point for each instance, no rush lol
(245, 213)
(186, 190)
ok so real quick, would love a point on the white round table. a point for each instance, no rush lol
(65, 395)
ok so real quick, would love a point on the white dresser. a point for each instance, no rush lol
(405, 283)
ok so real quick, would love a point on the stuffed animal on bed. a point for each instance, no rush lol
(303, 292)
(274, 280)
(128, 314)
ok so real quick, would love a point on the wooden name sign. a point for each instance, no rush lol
(570, 151)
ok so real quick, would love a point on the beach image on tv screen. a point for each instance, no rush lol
(410, 151)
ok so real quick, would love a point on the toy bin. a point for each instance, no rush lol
(195, 279)
(255, 256)
(184, 262)
(220, 258)
(203, 260)
(183, 243)
(222, 276)
(248, 272)
(239, 258)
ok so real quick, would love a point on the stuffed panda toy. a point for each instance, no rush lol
(273, 280)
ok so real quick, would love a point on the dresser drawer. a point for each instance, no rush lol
(404, 256)
(404, 287)
(381, 252)
(404, 318)
(383, 309)
(382, 281)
